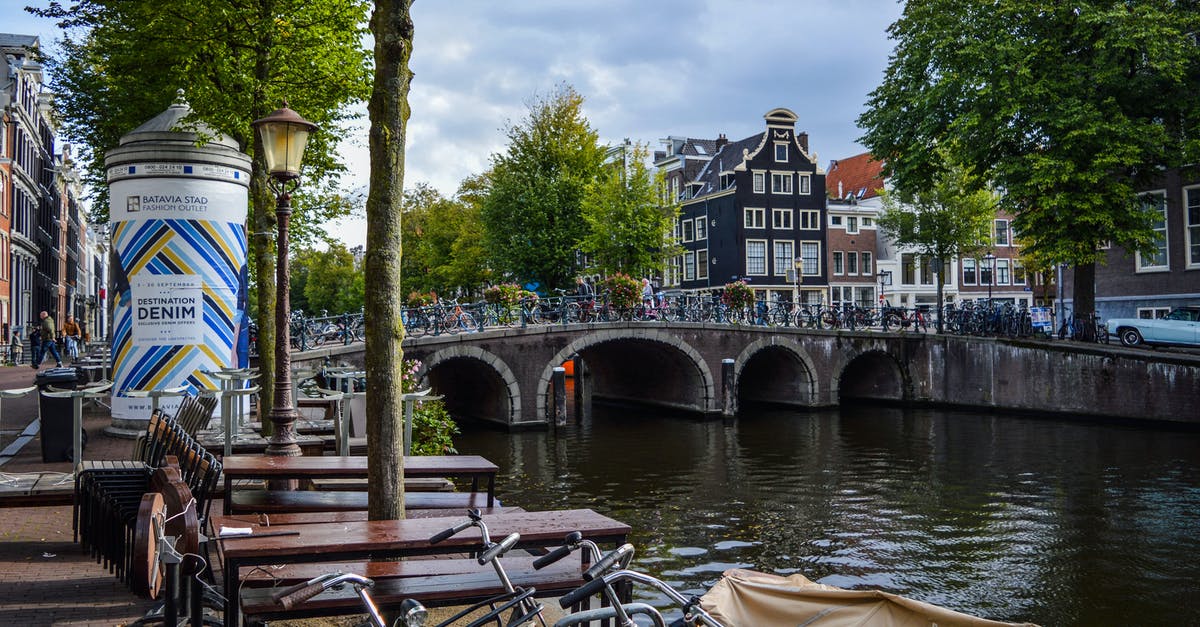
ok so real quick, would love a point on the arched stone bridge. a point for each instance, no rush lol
(504, 375)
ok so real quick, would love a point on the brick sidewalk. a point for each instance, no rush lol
(45, 577)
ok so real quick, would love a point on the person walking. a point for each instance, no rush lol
(72, 335)
(48, 344)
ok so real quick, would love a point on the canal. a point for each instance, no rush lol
(1013, 518)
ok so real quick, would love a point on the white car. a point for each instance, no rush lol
(1181, 326)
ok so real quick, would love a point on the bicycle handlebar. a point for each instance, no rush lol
(446, 533)
(577, 595)
(621, 553)
(292, 596)
(299, 594)
(569, 543)
(502, 547)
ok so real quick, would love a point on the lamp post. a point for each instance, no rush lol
(991, 263)
(284, 135)
(885, 279)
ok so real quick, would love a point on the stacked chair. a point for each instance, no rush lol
(108, 497)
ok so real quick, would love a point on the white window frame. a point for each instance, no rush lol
(1000, 231)
(781, 219)
(852, 225)
(1139, 258)
(835, 220)
(756, 242)
(852, 262)
(867, 260)
(785, 183)
(701, 228)
(803, 183)
(1003, 276)
(1191, 227)
(1018, 266)
(689, 266)
(839, 263)
(784, 146)
(810, 219)
(782, 262)
(972, 272)
(688, 230)
(702, 264)
(754, 218)
(760, 182)
(805, 270)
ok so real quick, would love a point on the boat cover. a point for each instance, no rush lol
(744, 598)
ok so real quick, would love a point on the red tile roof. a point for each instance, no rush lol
(860, 172)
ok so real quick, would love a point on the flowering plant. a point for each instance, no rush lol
(418, 299)
(507, 294)
(433, 427)
(738, 295)
(623, 291)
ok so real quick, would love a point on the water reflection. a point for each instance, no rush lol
(1007, 517)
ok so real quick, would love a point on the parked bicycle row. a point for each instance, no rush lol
(449, 316)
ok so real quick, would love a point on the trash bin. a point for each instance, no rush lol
(58, 414)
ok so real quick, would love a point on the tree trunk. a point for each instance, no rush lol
(1083, 298)
(262, 247)
(391, 24)
(941, 295)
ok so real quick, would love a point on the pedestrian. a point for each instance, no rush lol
(48, 334)
(72, 335)
(14, 348)
(35, 343)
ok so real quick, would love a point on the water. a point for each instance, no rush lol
(1011, 518)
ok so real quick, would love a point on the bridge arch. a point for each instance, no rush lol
(776, 370)
(691, 371)
(495, 392)
(873, 374)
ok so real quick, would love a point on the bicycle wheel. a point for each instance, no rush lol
(891, 320)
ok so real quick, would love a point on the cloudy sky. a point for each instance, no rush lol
(646, 68)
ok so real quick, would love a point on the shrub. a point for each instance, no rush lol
(507, 294)
(433, 428)
(623, 291)
(738, 295)
(418, 299)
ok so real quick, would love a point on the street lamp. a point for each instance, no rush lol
(991, 263)
(284, 135)
(885, 279)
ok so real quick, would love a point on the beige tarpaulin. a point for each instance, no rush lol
(744, 598)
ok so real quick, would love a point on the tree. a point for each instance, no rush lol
(951, 218)
(628, 226)
(532, 215)
(330, 280)
(237, 61)
(392, 26)
(445, 252)
(1069, 109)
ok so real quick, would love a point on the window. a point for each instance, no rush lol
(1018, 273)
(781, 153)
(908, 269)
(781, 183)
(784, 255)
(754, 218)
(679, 229)
(701, 228)
(804, 183)
(867, 222)
(760, 183)
(756, 256)
(1002, 232)
(835, 295)
(835, 220)
(810, 220)
(810, 258)
(926, 271)
(689, 232)
(851, 263)
(702, 264)
(985, 272)
(852, 224)
(969, 277)
(1152, 313)
(867, 270)
(781, 219)
(839, 262)
(1002, 276)
(1155, 203)
(1191, 201)
(689, 266)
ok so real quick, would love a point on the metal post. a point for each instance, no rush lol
(728, 392)
(559, 381)
(409, 403)
(283, 412)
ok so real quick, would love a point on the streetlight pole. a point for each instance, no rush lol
(991, 261)
(284, 135)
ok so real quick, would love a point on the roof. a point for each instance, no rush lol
(729, 157)
(11, 41)
(860, 176)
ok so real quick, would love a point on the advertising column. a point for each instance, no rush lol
(178, 278)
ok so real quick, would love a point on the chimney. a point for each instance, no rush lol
(721, 141)
(802, 138)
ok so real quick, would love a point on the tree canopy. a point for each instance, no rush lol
(1068, 109)
(444, 240)
(532, 215)
(627, 223)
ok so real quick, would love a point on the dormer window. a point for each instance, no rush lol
(781, 153)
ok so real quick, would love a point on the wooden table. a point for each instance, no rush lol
(357, 541)
(237, 467)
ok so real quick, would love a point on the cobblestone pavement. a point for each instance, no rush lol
(45, 578)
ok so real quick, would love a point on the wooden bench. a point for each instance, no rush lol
(301, 501)
(310, 518)
(434, 583)
(341, 542)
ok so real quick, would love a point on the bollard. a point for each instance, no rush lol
(559, 380)
(728, 392)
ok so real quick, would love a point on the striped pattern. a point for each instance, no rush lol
(215, 251)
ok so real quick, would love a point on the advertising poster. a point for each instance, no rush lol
(168, 309)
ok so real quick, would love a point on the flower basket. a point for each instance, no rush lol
(624, 292)
(738, 295)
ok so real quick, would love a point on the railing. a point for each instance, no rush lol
(976, 318)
